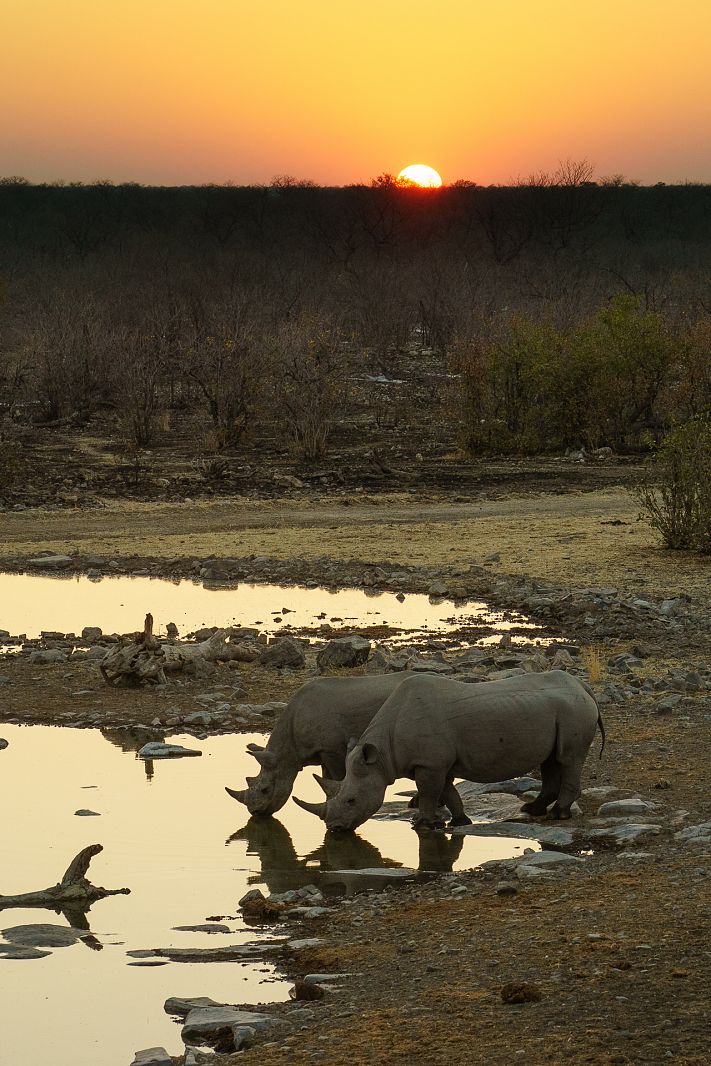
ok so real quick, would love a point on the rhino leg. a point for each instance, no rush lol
(430, 786)
(451, 799)
(550, 786)
(569, 789)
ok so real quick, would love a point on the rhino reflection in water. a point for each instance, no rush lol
(281, 867)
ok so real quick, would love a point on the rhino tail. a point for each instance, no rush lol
(600, 723)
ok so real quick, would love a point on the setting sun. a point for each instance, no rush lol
(419, 174)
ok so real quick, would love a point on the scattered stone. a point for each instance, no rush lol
(306, 990)
(343, 652)
(91, 633)
(506, 888)
(20, 952)
(156, 750)
(695, 834)
(623, 808)
(625, 834)
(152, 1056)
(3, 743)
(51, 562)
(52, 655)
(43, 936)
(207, 927)
(213, 1025)
(86, 813)
(286, 651)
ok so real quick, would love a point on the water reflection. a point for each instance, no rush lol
(132, 739)
(283, 869)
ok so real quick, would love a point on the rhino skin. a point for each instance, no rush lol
(314, 729)
(433, 729)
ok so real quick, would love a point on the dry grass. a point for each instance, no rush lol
(594, 663)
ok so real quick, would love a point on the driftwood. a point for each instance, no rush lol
(177, 656)
(138, 663)
(145, 661)
(73, 892)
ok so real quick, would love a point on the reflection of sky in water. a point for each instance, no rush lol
(172, 841)
(29, 604)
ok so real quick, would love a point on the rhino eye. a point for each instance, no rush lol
(264, 791)
(350, 801)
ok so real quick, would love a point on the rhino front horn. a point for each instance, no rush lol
(319, 809)
(238, 794)
(331, 788)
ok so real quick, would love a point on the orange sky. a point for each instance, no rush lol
(183, 91)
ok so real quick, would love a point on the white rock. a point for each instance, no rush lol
(623, 807)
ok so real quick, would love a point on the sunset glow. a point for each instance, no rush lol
(172, 91)
(422, 175)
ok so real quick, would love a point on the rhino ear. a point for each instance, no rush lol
(251, 781)
(351, 744)
(267, 759)
(370, 754)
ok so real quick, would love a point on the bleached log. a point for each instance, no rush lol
(176, 656)
(73, 890)
(139, 662)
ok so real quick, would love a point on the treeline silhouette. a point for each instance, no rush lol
(562, 311)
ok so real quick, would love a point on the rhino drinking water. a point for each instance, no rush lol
(314, 730)
(433, 729)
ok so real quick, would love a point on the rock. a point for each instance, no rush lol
(19, 951)
(50, 656)
(213, 1025)
(625, 834)
(286, 651)
(548, 858)
(207, 927)
(506, 888)
(181, 1007)
(695, 834)
(85, 813)
(171, 631)
(299, 945)
(514, 787)
(228, 953)
(667, 704)
(3, 743)
(152, 1056)
(437, 589)
(623, 807)
(51, 562)
(360, 880)
(156, 750)
(43, 936)
(91, 633)
(344, 652)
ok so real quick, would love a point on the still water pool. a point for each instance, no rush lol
(187, 852)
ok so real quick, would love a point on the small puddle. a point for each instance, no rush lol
(30, 605)
(187, 852)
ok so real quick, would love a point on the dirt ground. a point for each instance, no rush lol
(617, 948)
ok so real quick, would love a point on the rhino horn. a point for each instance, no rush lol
(239, 794)
(319, 809)
(331, 788)
(255, 747)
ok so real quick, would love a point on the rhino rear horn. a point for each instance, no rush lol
(330, 787)
(239, 794)
(319, 809)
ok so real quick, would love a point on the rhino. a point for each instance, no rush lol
(313, 730)
(434, 729)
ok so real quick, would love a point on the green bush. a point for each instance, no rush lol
(675, 494)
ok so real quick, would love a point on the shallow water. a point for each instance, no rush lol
(30, 604)
(187, 851)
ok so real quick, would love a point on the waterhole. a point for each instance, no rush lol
(187, 852)
(31, 604)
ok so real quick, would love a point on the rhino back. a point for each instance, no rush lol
(326, 712)
(484, 732)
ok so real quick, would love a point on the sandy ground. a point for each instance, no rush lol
(574, 539)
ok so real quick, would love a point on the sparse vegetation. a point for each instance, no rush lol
(675, 491)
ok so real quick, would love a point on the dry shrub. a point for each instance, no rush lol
(592, 659)
(675, 493)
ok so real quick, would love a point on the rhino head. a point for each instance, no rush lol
(270, 789)
(359, 795)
